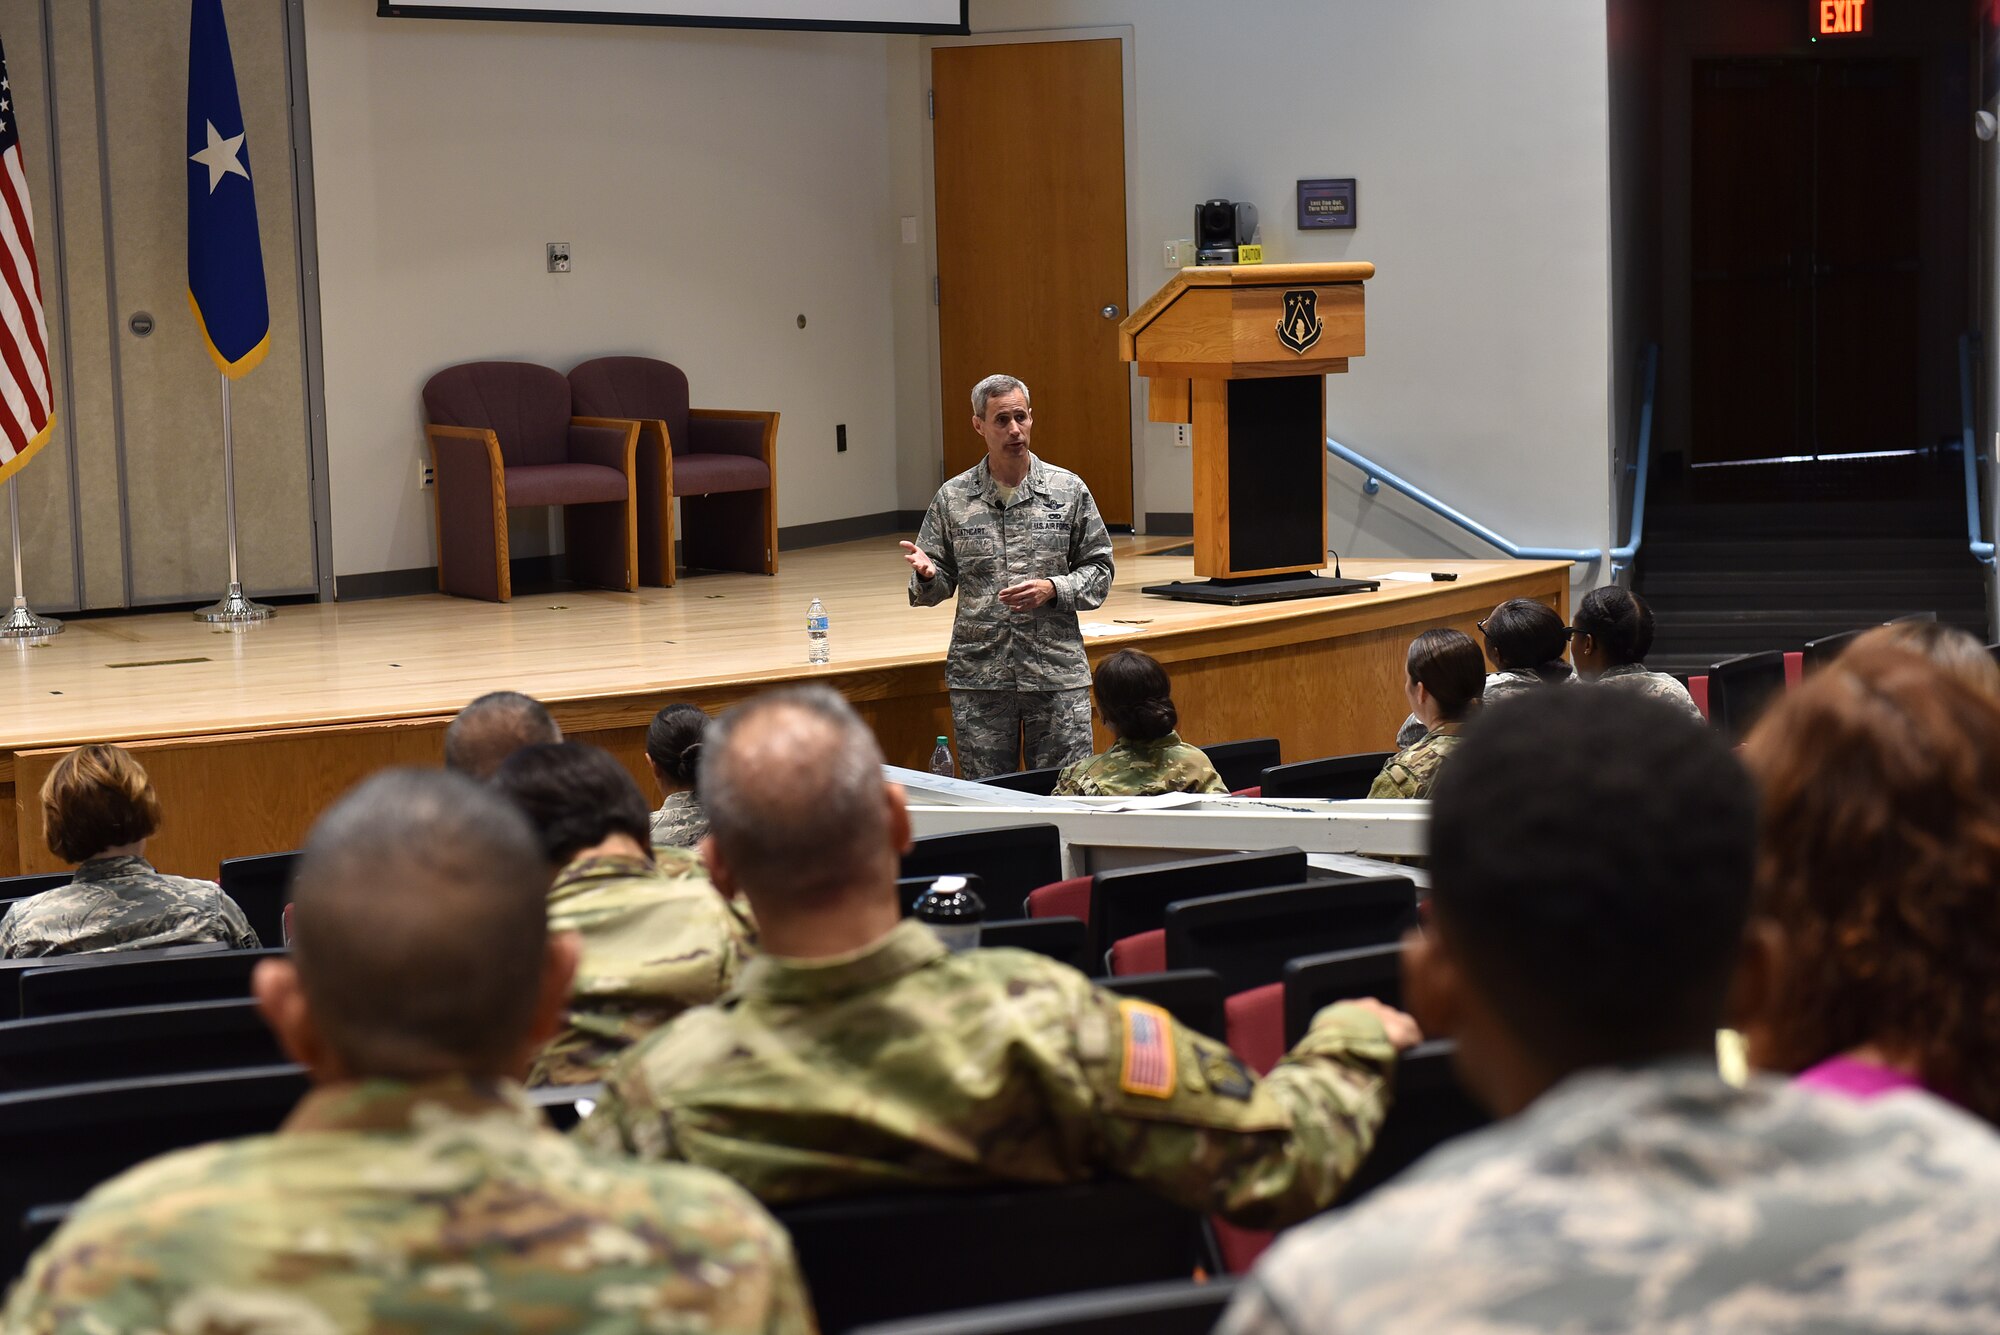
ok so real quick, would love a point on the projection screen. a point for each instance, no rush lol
(935, 16)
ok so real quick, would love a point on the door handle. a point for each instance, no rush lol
(1109, 312)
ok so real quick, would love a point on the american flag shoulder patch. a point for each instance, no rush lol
(1148, 1066)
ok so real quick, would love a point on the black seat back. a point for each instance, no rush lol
(1133, 900)
(1009, 861)
(1178, 1307)
(1313, 982)
(261, 886)
(1740, 689)
(1192, 996)
(127, 1044)
(1248, 937)
(1240, 763)
(67, 984)
(1336, 777)
(60, 1143)
(880, 1258)
(20, 887)
(1430, 1107)
(1064, 939)
(1040, 782)
(1819, 653)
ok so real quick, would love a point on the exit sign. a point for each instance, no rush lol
(1843, 18)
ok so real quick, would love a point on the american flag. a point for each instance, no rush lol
(27, 401)
(1149, 1052)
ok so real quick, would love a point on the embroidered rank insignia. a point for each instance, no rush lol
(1148, 1067)
(1301, 326)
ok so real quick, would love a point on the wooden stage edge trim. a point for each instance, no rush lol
(258, 734)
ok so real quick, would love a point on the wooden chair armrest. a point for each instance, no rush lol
(608, 441)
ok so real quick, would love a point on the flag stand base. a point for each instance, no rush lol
(23, 624)
(235, 608)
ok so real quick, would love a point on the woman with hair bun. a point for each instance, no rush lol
(1608, 642)
(673, 753)
(1446, 678)
(1136, 702)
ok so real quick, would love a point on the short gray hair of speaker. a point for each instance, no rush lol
(996, 384)
(792, 785)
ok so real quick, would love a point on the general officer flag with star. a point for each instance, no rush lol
(225, 261)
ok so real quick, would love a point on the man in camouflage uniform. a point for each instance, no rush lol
(121, 903)
(1021, 543)
(414, 1189)
(857, 1054)
(1583, 965)
(1137, 769)
(653, 941)
(1412, 771)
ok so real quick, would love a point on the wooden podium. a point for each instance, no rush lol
(1242, 352)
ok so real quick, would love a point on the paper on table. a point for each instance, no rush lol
(1105, 628)
(1407, 576)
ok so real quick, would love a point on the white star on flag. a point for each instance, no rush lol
(220, 157)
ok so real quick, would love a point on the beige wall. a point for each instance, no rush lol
(448, 153)
(713, 187)
(1479, 134)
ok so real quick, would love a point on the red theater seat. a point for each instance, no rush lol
(1061, 899)
(1144, 953)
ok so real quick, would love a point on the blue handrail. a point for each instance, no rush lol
(1621, 557)
(1982, 551)
(1377, 475)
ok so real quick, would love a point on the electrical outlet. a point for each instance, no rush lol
(1181, 434)
(840, 439)
(426, 475)
(558, 257)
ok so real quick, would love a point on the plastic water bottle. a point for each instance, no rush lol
(819, 651)
(953, 910)
(941, 760)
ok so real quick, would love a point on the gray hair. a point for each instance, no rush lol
(996, 384)
(493, 727)
(420, 920)
(792, 784)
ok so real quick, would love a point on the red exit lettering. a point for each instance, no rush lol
(1844, 18)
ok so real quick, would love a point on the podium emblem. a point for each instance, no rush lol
(1301, 326)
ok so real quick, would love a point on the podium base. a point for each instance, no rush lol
(1257, 589)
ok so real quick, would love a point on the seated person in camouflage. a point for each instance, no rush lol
(1446, 677)
(1585, 932)
(493, 727)
(857, 1055)
(673, 749)
(98, 810)
(1136, 702)
(1525, 640)
(414, 1188)
(653, 942)
(1608, 643)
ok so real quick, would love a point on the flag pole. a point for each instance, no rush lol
(234, 607)
(22, 623)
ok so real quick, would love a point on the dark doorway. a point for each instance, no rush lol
(1806, 226)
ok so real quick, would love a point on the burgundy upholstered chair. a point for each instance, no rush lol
(501, 434)
(721, 463)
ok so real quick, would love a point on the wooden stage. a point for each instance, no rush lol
(249, 734)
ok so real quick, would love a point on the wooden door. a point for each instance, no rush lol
(1030, 173)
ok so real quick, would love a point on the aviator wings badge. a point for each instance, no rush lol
(1301, 326)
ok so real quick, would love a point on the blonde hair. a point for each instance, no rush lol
(97, 797)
